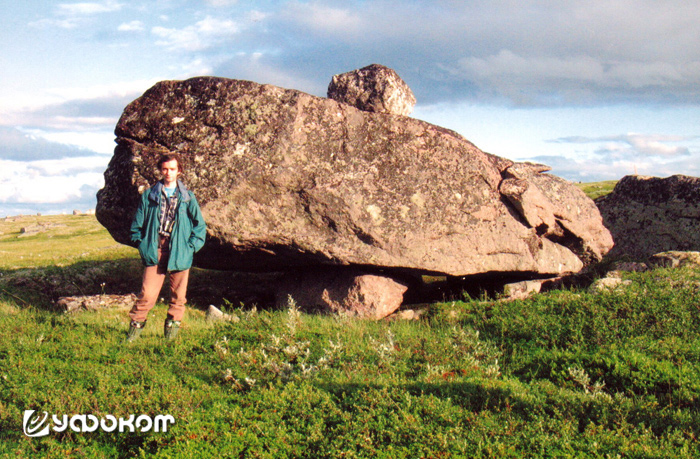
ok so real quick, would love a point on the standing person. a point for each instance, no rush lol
(168, 229)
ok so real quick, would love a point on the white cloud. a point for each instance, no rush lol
(524, 78)
(99, 91)
(133, 26)
(88, 8)
(641, 74)
(94, 133)
(50, 181)
(611, 157)
(74, 124)
(19, 145)
(593, 170)
(95, 141)
(204, 34)
(261, 68)
(195, 67)
(652, 145)
(68, 119)
(72, 15)
(68, 166)
(586, 170)
(635, 145)
(328, 19)
(73, 109)
(69, 23)
(218, 3)
(506, 66)
(257, 16)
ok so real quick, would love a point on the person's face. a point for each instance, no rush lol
(170, 171)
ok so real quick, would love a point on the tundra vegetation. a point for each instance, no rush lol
(566, 373)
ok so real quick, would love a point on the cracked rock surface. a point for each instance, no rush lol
(287, 180)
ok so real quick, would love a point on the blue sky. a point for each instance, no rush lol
(595, 89)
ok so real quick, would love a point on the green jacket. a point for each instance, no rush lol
(188, 233)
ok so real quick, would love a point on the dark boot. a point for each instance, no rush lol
(171, 328)
(135, 329)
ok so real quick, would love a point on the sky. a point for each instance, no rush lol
(596, 89)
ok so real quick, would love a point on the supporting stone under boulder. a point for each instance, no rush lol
(342, 291)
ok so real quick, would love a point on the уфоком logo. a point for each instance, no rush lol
(39, 425)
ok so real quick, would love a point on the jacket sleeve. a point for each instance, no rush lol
(138, 222)
(199, 227)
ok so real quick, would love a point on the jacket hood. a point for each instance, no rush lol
(157, 189)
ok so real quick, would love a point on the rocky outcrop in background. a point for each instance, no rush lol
(292, 182)
(647, 215)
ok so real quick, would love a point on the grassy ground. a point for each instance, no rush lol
(56, 240)
(563, 374)
(597, 189)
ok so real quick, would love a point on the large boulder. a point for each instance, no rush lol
(374, 88)
(288, 181)
(648, 215)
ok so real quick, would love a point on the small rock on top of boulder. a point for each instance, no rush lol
(374, 88)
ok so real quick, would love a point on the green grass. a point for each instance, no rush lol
(597, 189)
(64, 240)
(563, 374)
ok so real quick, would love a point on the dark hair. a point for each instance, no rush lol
(165, 157)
